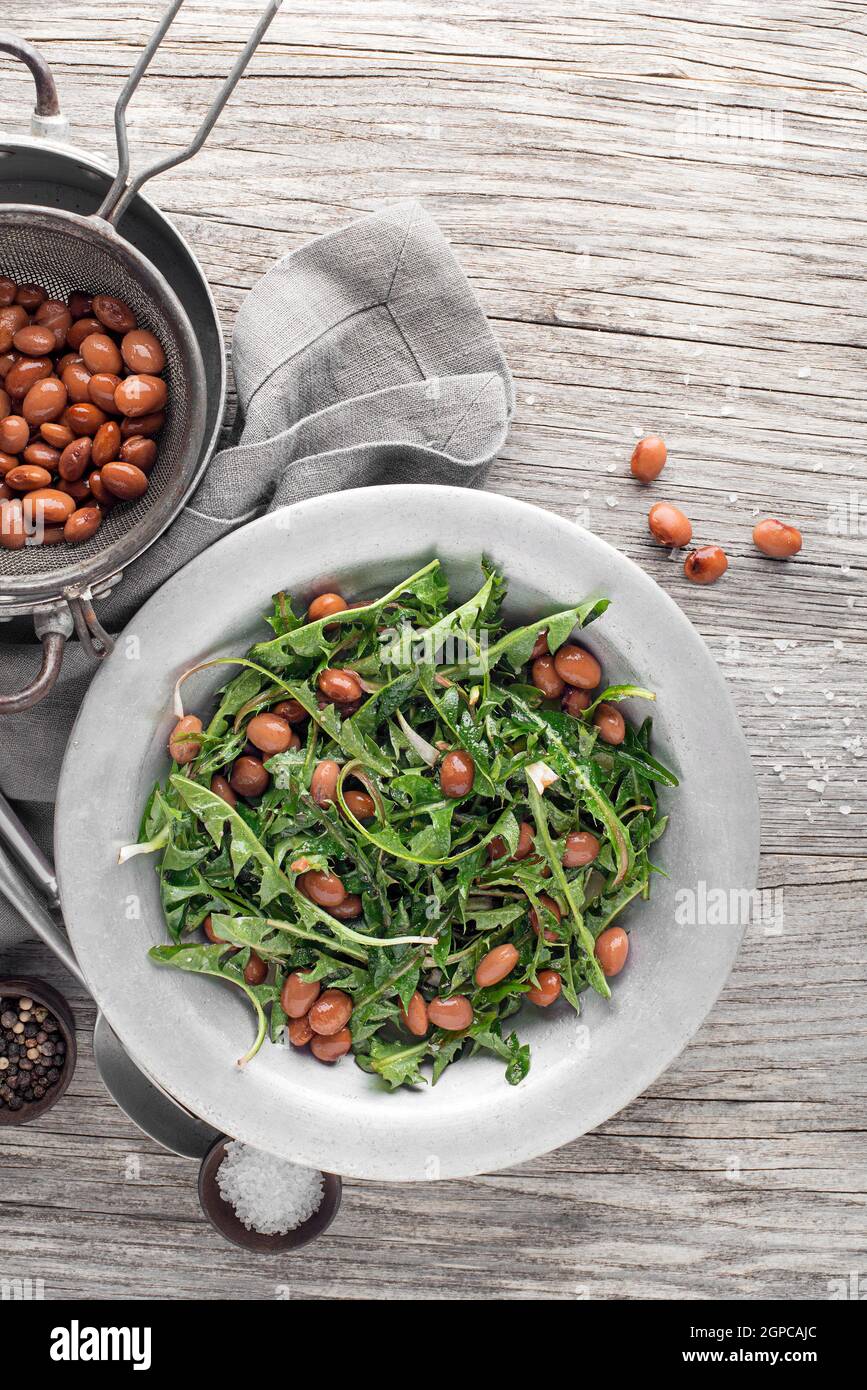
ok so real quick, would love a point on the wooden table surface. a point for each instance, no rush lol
(662, 212)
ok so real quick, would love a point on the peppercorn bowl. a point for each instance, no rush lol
(49, 1025)
(188, 1033)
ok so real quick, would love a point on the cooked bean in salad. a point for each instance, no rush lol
(404, 823)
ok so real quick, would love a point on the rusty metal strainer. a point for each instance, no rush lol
(63, 251)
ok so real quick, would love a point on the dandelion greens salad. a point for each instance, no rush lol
(403, 822)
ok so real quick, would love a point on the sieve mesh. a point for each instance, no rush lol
(63, 252)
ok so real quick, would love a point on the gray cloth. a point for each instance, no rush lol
(361, 358)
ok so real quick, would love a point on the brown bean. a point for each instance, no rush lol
(34, 341)
(83, 524)
(706, 565)
(80, 304)
(648, 458)
(26, 372)
(53, 535)
(182, 747)
(496, 965)
(553, 907)
(14, 434)
(27, 476)
(58, 436)
(75, 459)
(331, 1012)
(612, 948)
(42, 454)
(332, 1048)
(610, 723)
(299, 1032)
(669, 525)
(30, 297)
(7, 463)
(255, 971)
(143, 424)
(544, 676)
(362, 806)
(323, 783)
(547, 991)
(299, 994)
(498, 849)
(106, 499)
(143, 453)
(7, 362)
(414, 1017)
(6, 493)
(540, 646)
(6, 336)
(101, 354)
(457, 772)
(81, 329)
(290, 710)
(208, 929)
(56, 317)
(324, 606)
(100, 391)
(12, 533)
(575, 701)
(117, 316)
(581, 848)
(45, 401)
(323, 888)
(348, 909)
(453, 1013)
(220, 787)
(8, 290)
(106, 446)
(271, 734)
(249, 777)
(123, 479)
(142, 352)
(777, 538)
(13, 317)
(84, 418)
(140, 395)
(76, 379)
(47, 506)
(339, 685)
(79, 490)
(576, 666)
(5, 403)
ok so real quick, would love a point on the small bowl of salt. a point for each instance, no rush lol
(262, 1202)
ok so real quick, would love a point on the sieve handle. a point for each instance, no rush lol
(18, 892)
(47, 119)
(124, 189)
(53, 626)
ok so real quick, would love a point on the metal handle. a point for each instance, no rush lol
(53, 626)
(28, 853)
(123, 190)
(47, 120)
(18, 892)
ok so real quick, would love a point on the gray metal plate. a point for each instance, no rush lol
(186, 1032)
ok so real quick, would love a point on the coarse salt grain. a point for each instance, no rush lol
(268, 1194)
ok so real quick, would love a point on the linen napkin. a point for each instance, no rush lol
(363, 357)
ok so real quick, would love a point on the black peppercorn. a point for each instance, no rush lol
(32, 1052)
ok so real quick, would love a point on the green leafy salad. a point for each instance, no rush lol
(404, 823)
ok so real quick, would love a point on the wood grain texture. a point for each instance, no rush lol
(662, 213)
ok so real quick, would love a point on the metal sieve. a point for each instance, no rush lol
(64, 251)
